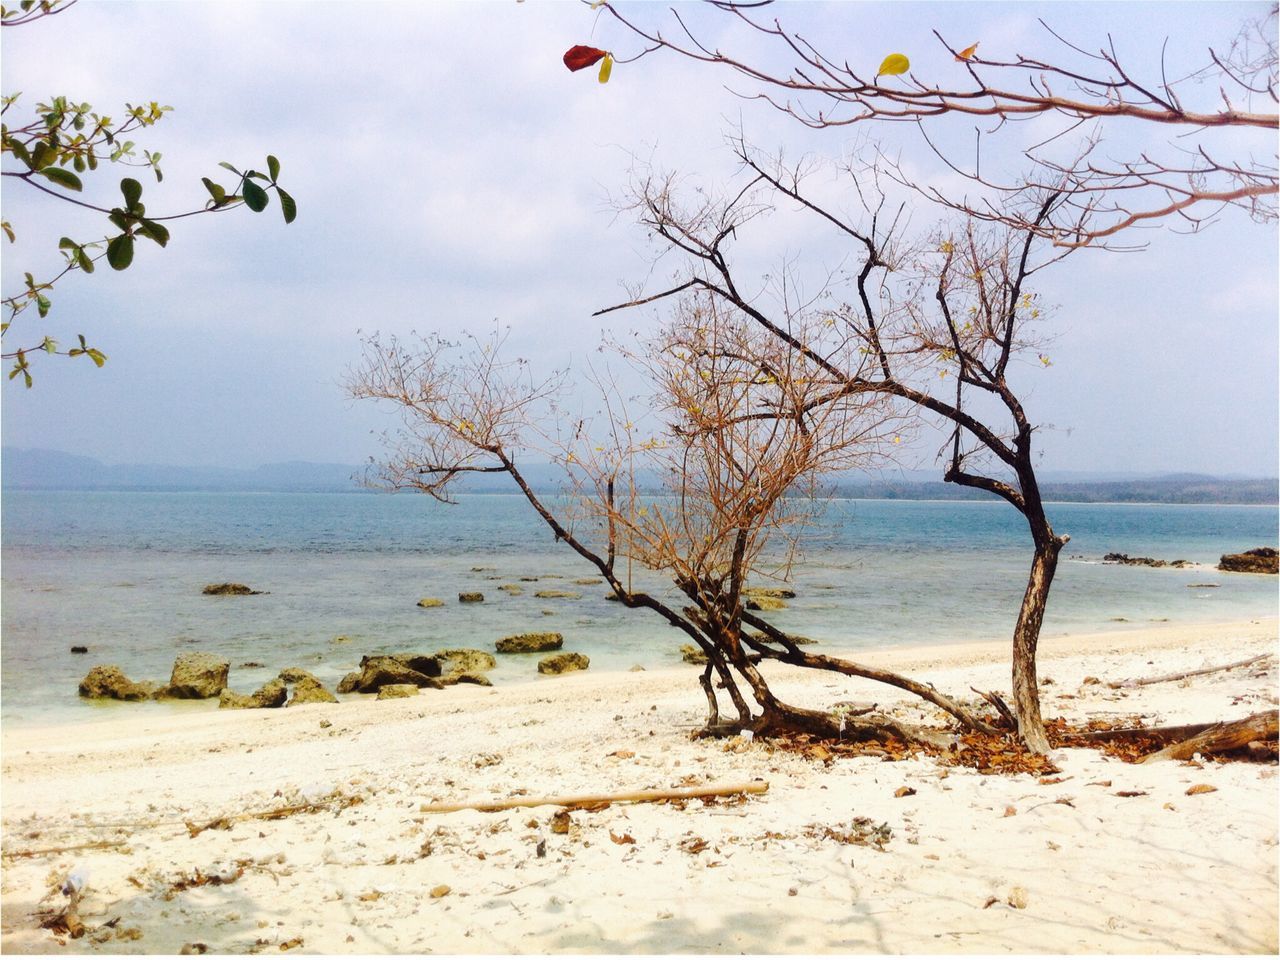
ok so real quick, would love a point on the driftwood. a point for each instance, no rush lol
(635, 796)
(1188, 673)
(1222, 737)
(45, 851)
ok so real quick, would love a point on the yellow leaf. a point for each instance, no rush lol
(606, 68)
(894, 64)
(967, 53)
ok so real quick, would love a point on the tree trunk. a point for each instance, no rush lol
(1026, 635)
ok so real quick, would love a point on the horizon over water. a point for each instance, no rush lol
(122, 574)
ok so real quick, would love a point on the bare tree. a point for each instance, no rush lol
(741, 428)
(1206, 167)
(957, 308)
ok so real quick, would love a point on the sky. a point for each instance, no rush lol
(450, 173)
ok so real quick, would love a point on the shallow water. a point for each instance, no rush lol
(122, 572)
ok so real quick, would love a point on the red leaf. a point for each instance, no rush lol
(580, 57)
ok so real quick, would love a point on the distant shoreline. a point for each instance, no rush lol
(1051, 496)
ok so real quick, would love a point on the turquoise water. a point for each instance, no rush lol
(121, 573)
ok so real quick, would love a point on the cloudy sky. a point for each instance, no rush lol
(449, 172)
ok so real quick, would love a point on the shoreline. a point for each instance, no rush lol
(1104, 857)
(899, 657)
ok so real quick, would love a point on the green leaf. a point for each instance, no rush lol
(43, 155)
(8, 231)
(157, 232)
(43, 305)
(85, 261)
(120, 252)
(92, 160)
(255, 198)
(287, 206)
(63, 178)
(219, 195)
(50, 345)
(273, 166)
(97, 356)
(118, 217)
(894, 65)
(132, 191)
(20, 152)
(66, 243)
(227, 166)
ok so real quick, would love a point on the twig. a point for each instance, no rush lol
(276, 813)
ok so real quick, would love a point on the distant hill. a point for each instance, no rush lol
(22, 469)
(53, 470)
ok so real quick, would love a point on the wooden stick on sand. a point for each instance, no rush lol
(635, 796)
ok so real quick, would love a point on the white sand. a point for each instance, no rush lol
(1159, 873)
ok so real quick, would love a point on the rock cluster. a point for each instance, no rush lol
(435, 670)
(1124, 558)
(530, 643)
(1259, 560)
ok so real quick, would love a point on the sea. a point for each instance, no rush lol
(122, 574)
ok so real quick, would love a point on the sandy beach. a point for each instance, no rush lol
(1109, 857)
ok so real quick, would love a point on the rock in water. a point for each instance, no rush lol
(776, 593)
(431, 602)
(558, 594)
(79, 649)
(463, 665)
(379, 671)
(765, 604)
(310, 690)
(425, 663)
(350, 683)
(691, 654)
(229, 590)
(108, 682)
(530, 643)
(471, 598)
(1260, 560)
(198, 676)
(271, 694)
(563, 663)
(395, 691)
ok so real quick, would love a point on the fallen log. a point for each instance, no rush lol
(1116, 685)
(635, 796)
(1222, 737)
(1163, 734)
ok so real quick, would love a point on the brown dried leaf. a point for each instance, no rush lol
(1010, 811)
(1045, 781)
(1201, 788)
(290, 944)
(693, 844)
(623, 754)
(1131, 793)
(625, 838)
(560, 821)
(442, 890)
(905, 792)
(991, 902)
(370, 895)
(1098, 783)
